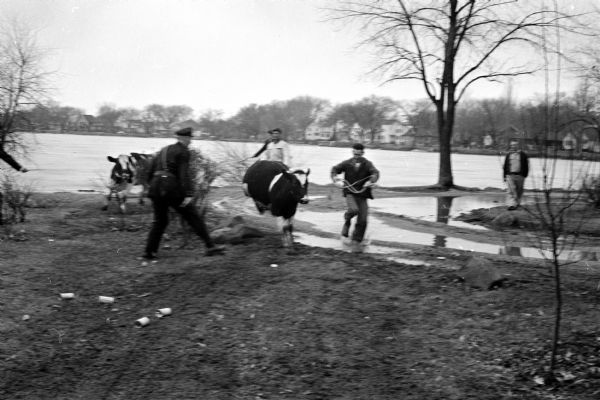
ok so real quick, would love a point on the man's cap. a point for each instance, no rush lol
(358, 146)
(276, 130)
(184, 132)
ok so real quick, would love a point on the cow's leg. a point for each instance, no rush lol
(122, 200)
(121, 197)
(107, 198)
(287, 229)
(143, 194)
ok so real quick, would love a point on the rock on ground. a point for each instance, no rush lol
(480, 273)
(235, 231)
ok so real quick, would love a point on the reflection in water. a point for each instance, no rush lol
(389, 236)
(444, 204)
(439, 241)
(510, 251)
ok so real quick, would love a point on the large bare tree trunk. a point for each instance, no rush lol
(445, 179)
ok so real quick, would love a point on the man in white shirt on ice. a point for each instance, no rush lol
(275, 149)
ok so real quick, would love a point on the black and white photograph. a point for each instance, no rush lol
(299, 200)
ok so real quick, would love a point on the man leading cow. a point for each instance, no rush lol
(171, 187)
(359, 176)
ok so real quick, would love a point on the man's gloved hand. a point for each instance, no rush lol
(369, 184)
(338, 182)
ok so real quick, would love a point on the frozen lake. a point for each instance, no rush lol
(61, 162)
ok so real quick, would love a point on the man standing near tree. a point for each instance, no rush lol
(516, 169)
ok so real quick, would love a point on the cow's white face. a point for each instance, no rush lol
(123, 169)
(302, 176)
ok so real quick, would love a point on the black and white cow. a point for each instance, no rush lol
(121, 180)
(128, 171)
(273, 187)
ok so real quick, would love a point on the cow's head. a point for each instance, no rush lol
(302, 176)
(123, 169)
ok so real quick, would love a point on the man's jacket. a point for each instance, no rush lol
(524, 162)
(357, 172)
(169, 173)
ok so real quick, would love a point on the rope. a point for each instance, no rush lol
(236, 161)
(350, 186)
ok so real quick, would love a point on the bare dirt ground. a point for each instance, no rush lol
(263, 323)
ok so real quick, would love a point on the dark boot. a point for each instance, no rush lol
(346, 228)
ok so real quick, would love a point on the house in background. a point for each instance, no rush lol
(355, 133)
(395, 132)
(569, 142)
(78, 122)
(128, 125)
(316, 132)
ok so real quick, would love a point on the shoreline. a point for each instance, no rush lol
(564, 155)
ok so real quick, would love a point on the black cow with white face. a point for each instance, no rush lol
(128, 171)
(121, 180)
(274, 188)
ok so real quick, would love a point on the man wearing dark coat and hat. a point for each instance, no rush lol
(171, 187)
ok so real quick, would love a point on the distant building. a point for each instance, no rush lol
(488, 141)
(396, 132)
(316, 132)
(129, 125)
(78, 122)
(569, 142)
(393, 130)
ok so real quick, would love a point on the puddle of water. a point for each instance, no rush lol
(338, 244)
(408, 261)
(438, 209)
(379, 231)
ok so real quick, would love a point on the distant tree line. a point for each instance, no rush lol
(499, 118)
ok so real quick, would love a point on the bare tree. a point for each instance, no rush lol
(560, 213)
(451, 45)
(24, 82)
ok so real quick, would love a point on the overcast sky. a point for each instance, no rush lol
(207, 54)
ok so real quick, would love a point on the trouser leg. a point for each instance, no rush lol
(191, 216)
(361, 218)
(515, 185)
(519, 184)
(512, 190)
(351, 212)
(161, 220)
